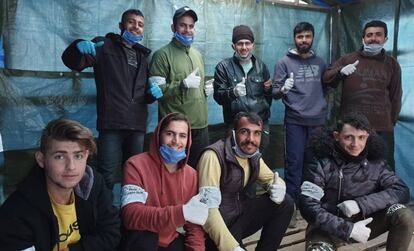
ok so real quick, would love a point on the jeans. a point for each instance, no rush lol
(199, 141)
(114, 148)
(148, 241)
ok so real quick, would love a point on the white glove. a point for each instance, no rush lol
(238, 248)
(349, 69)
(277, 190)
(240, 89)
(349, 207)
(288, 84)
(360, 232)
(195, 211)
(208, 87)
(192, 80)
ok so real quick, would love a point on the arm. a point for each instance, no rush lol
(332, 76)
(395, 90)
(279, 77)
(14, 233)
(310, 204)
(391, 191)
(223, 89)
(266, 175)
(209, 173)
(77, 61)
(267, 85)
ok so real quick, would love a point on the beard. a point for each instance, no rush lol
(305, 48)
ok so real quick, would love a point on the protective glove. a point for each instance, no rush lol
(208, 87)
(195, 211)
(277, 189)
(240, 89)
(360, 232)
(88, 47)
(289, 82)
(238, 248)
(192, 80)
(349, 207)
(349, 69)
(155, 91)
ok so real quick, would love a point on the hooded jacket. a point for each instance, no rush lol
(161, 210)
(305, 103)
(27, 218)
(121, 102)
(367, 181)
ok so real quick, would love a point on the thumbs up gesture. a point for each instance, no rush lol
(349, 69)
(277, 190)
(192, 80)
(240, 89)
(288, 84)
(88, 47)
(360, 232)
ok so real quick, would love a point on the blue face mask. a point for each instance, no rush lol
(131, 38)
(185, 40)
(170, 155)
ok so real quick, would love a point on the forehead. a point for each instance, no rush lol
(244, 123)
(177, 126)
(64, 146)
(133, 17)
(348, 129)
(304, 34)
(187, 19)
(244, 41)
(371, 30)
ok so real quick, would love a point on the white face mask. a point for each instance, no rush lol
(372, 49)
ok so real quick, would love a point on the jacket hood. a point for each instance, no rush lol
(292, 52)
(139, 47)
(154, 149)
(322, 145)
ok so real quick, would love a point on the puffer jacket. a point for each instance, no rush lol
(228, 74)
(368, 182)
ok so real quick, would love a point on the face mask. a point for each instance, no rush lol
(185, 40)
(240, 58)
(372, 49)
(239, 152)
(170, 155)
(131, 38)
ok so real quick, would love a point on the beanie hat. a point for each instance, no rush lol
(242, 32)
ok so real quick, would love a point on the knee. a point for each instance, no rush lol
(401, 216)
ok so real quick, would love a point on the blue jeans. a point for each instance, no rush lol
(296, 137)
(114, 148)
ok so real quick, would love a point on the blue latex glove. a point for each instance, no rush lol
(88, 47)
(155, 91)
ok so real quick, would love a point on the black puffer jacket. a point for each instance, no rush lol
(368, 182)
(228, 74)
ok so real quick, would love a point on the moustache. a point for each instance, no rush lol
(246, 143)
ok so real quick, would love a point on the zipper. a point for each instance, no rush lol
(341, 176)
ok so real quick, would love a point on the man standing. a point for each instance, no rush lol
(120, 67)
(227, 171)
(62, 204)
(178, 69)
(242, 83)
(371, 83)
(297, 81)
(348, 194)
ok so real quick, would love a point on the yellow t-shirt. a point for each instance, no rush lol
(68, 223)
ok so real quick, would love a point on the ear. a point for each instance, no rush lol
(40, 159)
(386, 39)
(172, 28)
(336, 135)
(233, 47)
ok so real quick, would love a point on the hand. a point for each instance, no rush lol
(288, 84)
(349, 69)
(195, 211)
(240, 88)
(155, 91)
(192, 80)
(88, 47)
(277, 189)
(349, 207)
(208, 87)
(360, 232)
(238, 248)
(268, 84)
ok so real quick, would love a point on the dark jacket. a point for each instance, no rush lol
(121, 101)
(368, 182)
(27, 218)
(228, 74)
(231, 181)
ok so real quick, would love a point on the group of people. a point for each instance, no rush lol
(338, 178)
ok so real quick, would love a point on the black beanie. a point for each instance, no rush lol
(242, 32)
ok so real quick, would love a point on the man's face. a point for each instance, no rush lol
(374, 35)
(175, 135)
(352, 140)
(64, 164)
(243, 47)
(248, 136)
(303, 41)
(134, 24)
(185, 26)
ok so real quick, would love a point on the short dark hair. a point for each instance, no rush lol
(251, 117)
(67, 130)
(175, 116)
(375, 23)
(129, 12)
(354, 119)
(303, 26)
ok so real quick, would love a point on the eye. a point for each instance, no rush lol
(58, 157)
(258, 133)
(79, 156)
